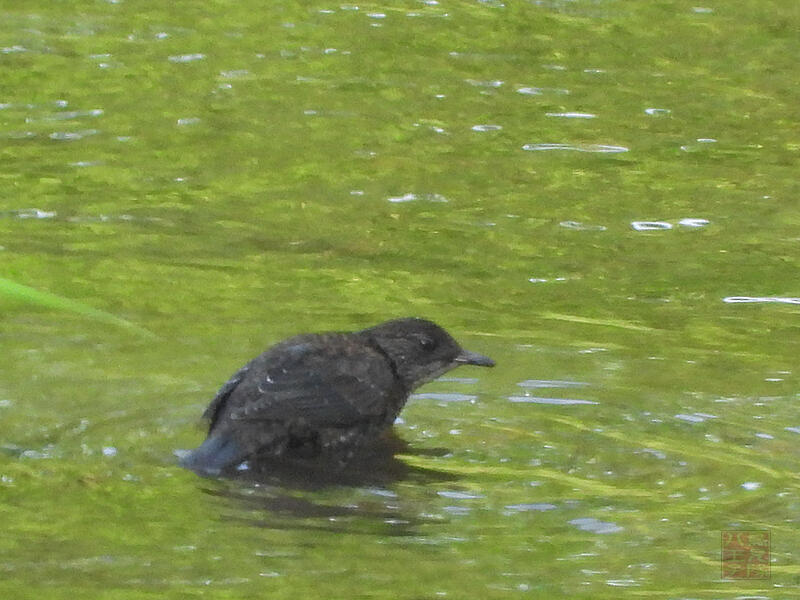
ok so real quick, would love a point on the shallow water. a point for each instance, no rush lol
(600, 195)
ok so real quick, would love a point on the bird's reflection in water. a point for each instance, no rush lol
(326, 494)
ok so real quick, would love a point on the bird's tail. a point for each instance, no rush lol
(218, 453)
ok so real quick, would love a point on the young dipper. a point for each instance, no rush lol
(324, 393)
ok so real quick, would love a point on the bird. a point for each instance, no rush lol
(323, 394)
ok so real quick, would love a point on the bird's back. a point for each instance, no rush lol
(314, 381)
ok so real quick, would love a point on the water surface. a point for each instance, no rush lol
(598, 194)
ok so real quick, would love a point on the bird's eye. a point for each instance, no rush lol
(427, 343)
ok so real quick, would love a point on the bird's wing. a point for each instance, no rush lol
(318, 385)
(317, 401)
(212, 411)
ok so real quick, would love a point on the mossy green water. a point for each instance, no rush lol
(601, 195)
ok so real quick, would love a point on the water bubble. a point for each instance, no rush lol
(185, 58)
(650, 225)
(572, 115)
(760, 299)
(694, 222)
(751, 485)
(486, 127)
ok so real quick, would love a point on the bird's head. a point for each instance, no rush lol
(421, 350)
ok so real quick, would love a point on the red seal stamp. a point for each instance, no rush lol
(745, 554)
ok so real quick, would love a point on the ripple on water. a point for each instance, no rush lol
(464, 380)
(456, 495)
(457, 510)
(487, 127)
(692, 223)
(72, 114)
(235, 74)
(185, 58)
(539, 400)
(582, 226)
(693, 148)
(411, 197)
(445, 397)
(760, 299)
(695, 417)
(490, 84)
(593, 525)
(657, 111)
(539, 91)
(69, 136)
(551, 383)
(530, 507)
(29, 213)
(594, 148)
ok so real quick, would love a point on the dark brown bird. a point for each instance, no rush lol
(324, 393)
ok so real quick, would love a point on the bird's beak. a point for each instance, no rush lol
(473, 358)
